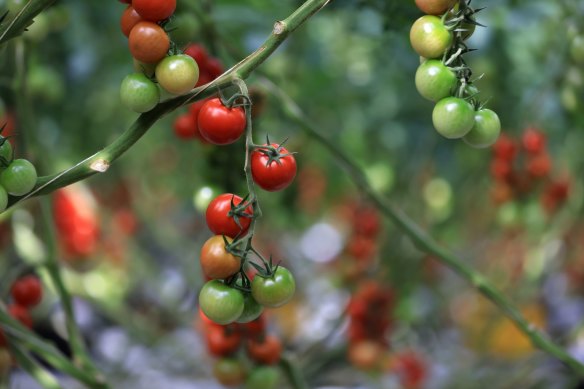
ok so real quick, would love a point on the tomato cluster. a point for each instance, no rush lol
(443, 76)
(254, 367)
(17, 176)
(521, 167)
(143, 23)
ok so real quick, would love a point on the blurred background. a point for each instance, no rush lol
(513, 211)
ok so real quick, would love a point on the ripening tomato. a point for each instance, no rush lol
(139, 93)
(251, 309)
(275, 290)
(129, 19)
(435, 7)
(255, 328)
(265, 351)
(177, 74)
(263, 377)
(229, 372)
(221, 220)
(453, 117)
(27, 291)
(273, 170)
(221, 303)
(429, 37)
(366, 354)
(154, 10)
(148, 42)
(222, 342)
(216, 262)
(19, 177)
(434, 80)
(485, 131)
(219, 124)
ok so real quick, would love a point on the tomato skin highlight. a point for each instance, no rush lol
(434, 80)
(219, 124)
(485, 131)
(19, 177)
(273, 176)
(453, 117)
(429, 37)
(218, 219)
(148, 42)
(154, 10)
(274, 291)
(221, 303)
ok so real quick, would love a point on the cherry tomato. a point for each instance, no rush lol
(177, 74)
(273, 171)
(185, 127)
(434, 80)
(3, 199)
(229, 372)
(533, 141)
(485, 131)
(263, 377)
(362, 248)
(538, 167)
(221, 303)
(435, 7)
(27, 291)
(275, 290)
(265, 351)
(505, 148)
(219, 124)
(148, 42)
(21, 314)
(429, 37)
(220, 222)
(367, 222)
(199, 54)
(129, 19)
(216, 262)
(222, 342)
(154, 10)
(255, 328)
(366, 354)
(138, 93)
(5, 148)
(411, 369)
(251, 310)
(453, 117)
(19, 177)
(214, 68)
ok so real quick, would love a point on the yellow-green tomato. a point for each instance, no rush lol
(429, 37)
(434, 80)
(485, 131)
(177, 74)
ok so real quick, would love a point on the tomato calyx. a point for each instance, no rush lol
(240, 210)
(274, 153)
(268, 270)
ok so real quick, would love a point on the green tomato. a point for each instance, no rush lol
(251, 310)
(19, 177)
(434, 80)
(3, 199)
(485, 131)
(453, 117)
(263, 377)
(274, 291)
(429, 37)
(577, 49)
(177, 74)
(5, 149)
(138, 93)
(229, 372)
(221, 303)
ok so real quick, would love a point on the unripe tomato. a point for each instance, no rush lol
(453, 117)
(429, 37)
(5, 362)
(129, 19)
(263, 377)
(265, 351)
(5, 148)
(27, 291)
(148, 42)
(177, 74)
(251, 310)
(154, 10)
(221, 303)
(219, 124)
(220, 222)
(216, 262)
(19, 177)
(138, 93)
(275, 290)
(434, 80)
(485, 131)
(229, 372)
(435, 7)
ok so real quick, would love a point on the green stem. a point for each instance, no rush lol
(425, 242)
(39, 373)
(293, 374)
(14, 26)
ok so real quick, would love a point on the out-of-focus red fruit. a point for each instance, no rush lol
(214, 68)
(366, 355)
(198, 53)
(539, 166)
(222, 341)
(505, 148)
(185, 127)
(411, 369)
(501, 170)
(362, 248)
(21, 314)
(533, 141)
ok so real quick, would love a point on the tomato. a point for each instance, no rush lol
(577, 49)
(146, 68)
(411, 369)
(533, 141)
(255, 328)
(148, 42)
(501, 170)
(214, 68)
(3, 199)
(222, 342)
(505, 148)
(19, 177)
(229, 372)
(453, 117)
(366, 354)
(485, 131)
(21, 314)
(275, 290)
(221, 221)
(266, 351)
(362, 248)
(5, 362)
(177, 74)
(219, 124)
(138, 93)
(367, 222)
(5, 149)
(154, 10)
(263, 377)
(251, 310)
(221, 303)
(129, 19)
(216, 262)
(199, 54)
(429, 37)
(434, 80)
(185, 127)
(27, 291)
(273, 170)
(538, 166)
(435, 7)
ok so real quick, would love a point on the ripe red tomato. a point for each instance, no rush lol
(21, 314)
(222, 342)
(273, 171)
(539, 166)
(265, 351)
(411, 369)
(505, 148)
(129, 19)
(199, 54)
(148, 42)
(220, 222)
(367, 222)
(27, 291)
(533, 141)
(214, 68)
(501, 170)
(185, 126)
(219, 124)
(216, 262)
(255, 328)
(154, 10)
(362, 248)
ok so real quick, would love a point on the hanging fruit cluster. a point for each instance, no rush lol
(246, 353)
(17, 176)
(443, 75)
(523, 167)
(156, 58)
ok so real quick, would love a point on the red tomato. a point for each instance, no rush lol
(27, 291)
(265, 351)
(220, 222)
(412, 370)
(219, 124)
(501, 170)
(273, 170)
(21, 314)
(154, 10)
(185, 127)
(539, 166)
(148, 42)
(362, 248)
(221, 341)
(199, 54)
(533, 141)
(255, 328)
(367, 222)
(129, 19)
(3, 340)
(214, 68)
(505, 148)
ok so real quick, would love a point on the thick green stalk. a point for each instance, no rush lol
(425, 242)
(15, 24)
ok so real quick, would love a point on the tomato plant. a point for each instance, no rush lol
(219, 124)
(216, 262)
(177, 74)
(19, 177)
(225, 218)
(273, 167)
(274, 290)
(221, 303)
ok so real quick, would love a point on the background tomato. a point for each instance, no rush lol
(221, 341)
(263, 377)
(27, 291)
(220, 303)
(265, 351)
(229, 372)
